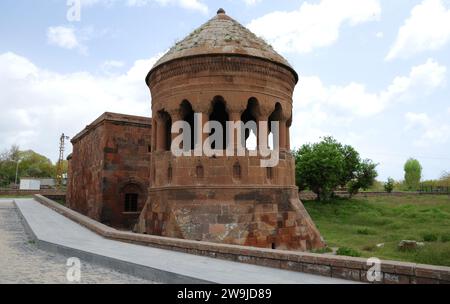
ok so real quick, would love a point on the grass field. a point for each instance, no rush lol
(358, 225)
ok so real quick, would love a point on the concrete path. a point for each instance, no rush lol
(57, 233)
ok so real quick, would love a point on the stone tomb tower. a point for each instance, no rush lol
(226, 73)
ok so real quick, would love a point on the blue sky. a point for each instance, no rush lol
(373, 73)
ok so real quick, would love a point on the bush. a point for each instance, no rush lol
(322, 250)
(364, 177)
(430, 237)
(445, 238)
(389, 185)
(364, 231)
(348, 252)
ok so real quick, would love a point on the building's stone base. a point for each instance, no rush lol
(269, 217)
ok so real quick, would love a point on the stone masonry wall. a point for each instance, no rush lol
(84, 189)
(110, 157)
(126, 162)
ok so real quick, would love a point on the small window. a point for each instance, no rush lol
(169, 174)
(237, 171)
(131, 202)
(199, 171)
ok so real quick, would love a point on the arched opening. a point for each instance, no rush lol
(187, 115)
(249, 138)
(164, 130)
(219, 113)
(276, 116)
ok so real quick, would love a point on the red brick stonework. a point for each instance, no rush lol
(109, 172)
(226, 73)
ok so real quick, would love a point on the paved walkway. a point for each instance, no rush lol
(21, 261)
(168, 266)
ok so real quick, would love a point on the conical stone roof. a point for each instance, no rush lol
(223, 35)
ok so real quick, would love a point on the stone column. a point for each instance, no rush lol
(263, 118)
(282, 134)
(161, 134)
(176, 116)
(204, 120)
(199, 136)
(234, 117)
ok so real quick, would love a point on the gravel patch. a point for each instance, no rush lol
(22, 262)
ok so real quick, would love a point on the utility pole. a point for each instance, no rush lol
(17, 170)
(59, 165)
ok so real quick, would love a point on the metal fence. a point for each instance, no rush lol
(435, 189)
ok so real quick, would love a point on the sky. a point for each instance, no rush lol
(373, 73)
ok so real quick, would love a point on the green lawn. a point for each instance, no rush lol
(15, 196)
(362, 223)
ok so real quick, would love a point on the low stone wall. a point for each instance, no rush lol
(350, 268)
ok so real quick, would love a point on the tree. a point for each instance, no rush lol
(363, 178)
(445, 178)
(8, 163)
(28, 163)
(413, 174)
(323, 166)
(33, 164)
(351, 164)
(389, 185)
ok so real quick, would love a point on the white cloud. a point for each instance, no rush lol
(427, 28)
(39, 104)
(110, 66)
(379, 35)
(69, 37)
(321, 109)
(64, 37)
(252, 2)
(196, 5)
(355, 99)
(313, 26)
(113, 64)
(433, 131)
(414, 119)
